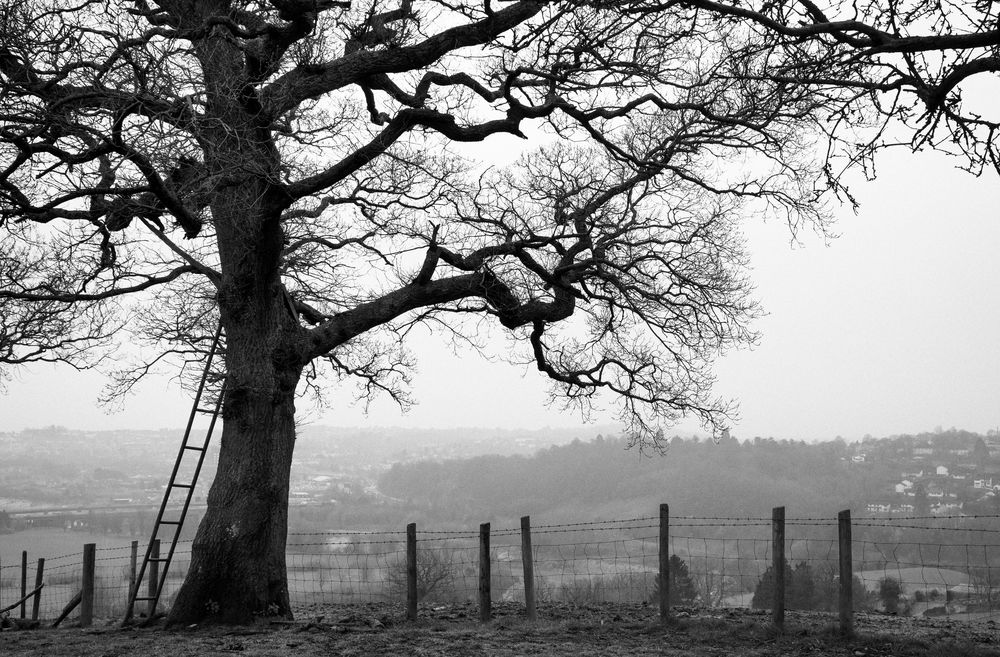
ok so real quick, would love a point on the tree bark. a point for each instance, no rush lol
(237, 567)
(238, 556)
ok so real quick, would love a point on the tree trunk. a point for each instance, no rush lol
(237, 567)
(238, 558)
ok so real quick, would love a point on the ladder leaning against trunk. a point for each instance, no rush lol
(153, 563)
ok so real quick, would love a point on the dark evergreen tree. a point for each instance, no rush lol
(800, 588)
(801, 591)
(889, 592)
(763, 595)
(980, 452)
(682, 590)
(921, 504)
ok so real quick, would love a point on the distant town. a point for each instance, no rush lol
(951, 473)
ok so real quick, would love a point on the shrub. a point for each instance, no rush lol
(435, 575)
(582, 591)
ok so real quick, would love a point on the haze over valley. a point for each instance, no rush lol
(111, 482)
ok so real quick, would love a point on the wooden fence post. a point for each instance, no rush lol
(664, 563)
(411, 571)
(528, 565)
(778, 565)
(87, 599)
(846, 573)
(132, 569)
(24, 581)
(153, 577)
(485, 603)
(39, 574)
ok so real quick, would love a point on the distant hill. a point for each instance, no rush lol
(602, 479)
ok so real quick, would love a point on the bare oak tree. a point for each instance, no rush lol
(305, 173)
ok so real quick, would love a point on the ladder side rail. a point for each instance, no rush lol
(165, 565)
(187, 434)
(201, 389)
(130, 608)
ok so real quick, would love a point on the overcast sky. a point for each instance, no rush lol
(892, 328)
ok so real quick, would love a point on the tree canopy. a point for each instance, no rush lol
(908, 67)
(129, 128)
(313, 176)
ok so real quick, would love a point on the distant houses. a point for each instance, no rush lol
(952, 472)
(890, 506)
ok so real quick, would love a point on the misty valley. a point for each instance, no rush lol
(924, 508)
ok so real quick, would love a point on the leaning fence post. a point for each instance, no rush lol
(528, 564)
(485, 603)
(39, 574)
(778, 565)
(24, 581)
(846, 573)
(87, 598)
(664, 562)
(411, 571)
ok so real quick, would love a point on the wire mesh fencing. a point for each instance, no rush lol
(932, 566)
(342, 567)
(919, 566)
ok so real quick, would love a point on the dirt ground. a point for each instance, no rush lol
(570, 631)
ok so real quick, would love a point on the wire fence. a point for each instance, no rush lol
(922, 566)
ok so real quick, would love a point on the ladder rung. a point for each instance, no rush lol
(170, 522)
(206, 410)
(182, 485)
(194, 447)
(159, 559)
(144, 598)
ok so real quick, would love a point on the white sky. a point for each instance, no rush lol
(892, 328)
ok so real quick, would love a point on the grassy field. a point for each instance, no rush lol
(51, 543)
(916, 578)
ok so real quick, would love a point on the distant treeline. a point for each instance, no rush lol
(602, 478)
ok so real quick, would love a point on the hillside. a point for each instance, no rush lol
(372, 479)
(941, 472)
(354, 477)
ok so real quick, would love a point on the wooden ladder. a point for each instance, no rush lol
(153, 561)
